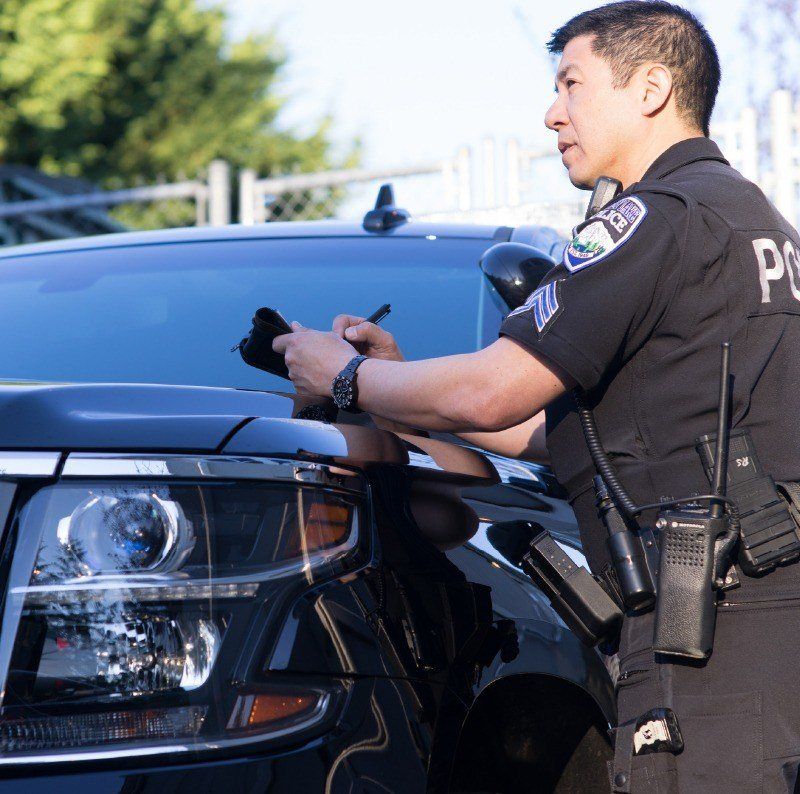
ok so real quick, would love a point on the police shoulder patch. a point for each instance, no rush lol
(604, 233)
(545, 305)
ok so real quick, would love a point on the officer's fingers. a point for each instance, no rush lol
(340, 322)
(359, 332)
(297, 327)
(343, 321)
(281, 343)
(368, 333)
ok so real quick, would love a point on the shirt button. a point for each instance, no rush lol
(620, 779)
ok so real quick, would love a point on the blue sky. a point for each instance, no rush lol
(416, 78)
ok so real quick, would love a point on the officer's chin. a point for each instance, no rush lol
(580, 179)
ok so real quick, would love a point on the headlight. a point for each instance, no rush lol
(130, 604)
(121, 531)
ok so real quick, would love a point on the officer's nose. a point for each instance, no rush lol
(556, 116)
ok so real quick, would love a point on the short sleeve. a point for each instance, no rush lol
(602, 301)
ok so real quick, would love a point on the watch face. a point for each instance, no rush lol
(342, 392)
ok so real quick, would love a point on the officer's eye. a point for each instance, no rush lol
(571, 83)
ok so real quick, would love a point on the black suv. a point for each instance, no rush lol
(209, 584)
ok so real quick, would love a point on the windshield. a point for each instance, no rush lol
(171, 313)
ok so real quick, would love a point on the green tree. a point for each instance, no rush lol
(124, 92)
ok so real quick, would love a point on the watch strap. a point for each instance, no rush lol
(352, 366)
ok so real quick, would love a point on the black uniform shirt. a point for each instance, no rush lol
(692, 255)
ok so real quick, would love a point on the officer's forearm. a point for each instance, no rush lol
(427, 394)
(525, 441)
(490, 390)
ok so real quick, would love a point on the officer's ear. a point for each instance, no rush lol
(655, 81)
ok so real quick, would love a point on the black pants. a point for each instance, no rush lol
(739, 712)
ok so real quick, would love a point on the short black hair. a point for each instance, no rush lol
(630, 33)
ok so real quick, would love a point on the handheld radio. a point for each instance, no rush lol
(692, 541)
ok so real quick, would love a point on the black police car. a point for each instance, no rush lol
(204, 589)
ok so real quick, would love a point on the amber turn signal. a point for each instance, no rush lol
(268, 709)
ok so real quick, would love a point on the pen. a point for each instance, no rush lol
(379, 314)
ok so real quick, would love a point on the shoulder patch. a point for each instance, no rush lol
(604, 232)
(545, 305)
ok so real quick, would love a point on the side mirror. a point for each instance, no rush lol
(515, 270)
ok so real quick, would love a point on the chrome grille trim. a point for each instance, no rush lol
(29, 464)
(231, 467)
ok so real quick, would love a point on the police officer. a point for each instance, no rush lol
(689, 255)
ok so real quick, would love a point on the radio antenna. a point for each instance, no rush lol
(723, 431)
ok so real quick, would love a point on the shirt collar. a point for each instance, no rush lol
(680, 154)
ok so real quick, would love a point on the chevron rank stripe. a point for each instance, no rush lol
(544, 303)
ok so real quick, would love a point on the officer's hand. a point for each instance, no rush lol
(369, 339)
(313, 358)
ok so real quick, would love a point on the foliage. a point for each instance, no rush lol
(124, 92)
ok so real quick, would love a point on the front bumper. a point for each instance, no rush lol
(376, 737)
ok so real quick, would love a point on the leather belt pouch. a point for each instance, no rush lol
(256, 349)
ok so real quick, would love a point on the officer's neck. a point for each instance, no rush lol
(636, 166)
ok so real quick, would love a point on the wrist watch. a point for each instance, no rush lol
(343, 388)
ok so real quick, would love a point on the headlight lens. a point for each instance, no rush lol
(129, 605)
(115, 532)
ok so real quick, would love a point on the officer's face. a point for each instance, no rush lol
(597, 124)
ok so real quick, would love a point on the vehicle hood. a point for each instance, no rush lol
(125, 417)
(128, 416)
(159, 418)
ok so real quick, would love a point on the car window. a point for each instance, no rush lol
(171, 313)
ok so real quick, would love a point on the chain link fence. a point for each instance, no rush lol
(332, 194)
(461, 184)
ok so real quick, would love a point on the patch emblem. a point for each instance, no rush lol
(545, 303)
(604, 233)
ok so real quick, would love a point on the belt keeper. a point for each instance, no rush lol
(623, 758)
